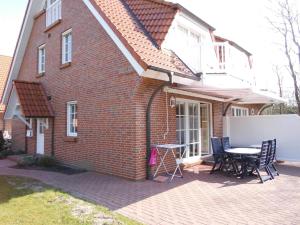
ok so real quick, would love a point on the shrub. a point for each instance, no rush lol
(5, 153)
(46, 161)
(27, 161)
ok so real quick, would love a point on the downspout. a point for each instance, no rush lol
(148, 118)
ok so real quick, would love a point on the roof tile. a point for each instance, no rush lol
(147, 12)
(33, 99)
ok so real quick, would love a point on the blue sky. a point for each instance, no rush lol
(239, 20)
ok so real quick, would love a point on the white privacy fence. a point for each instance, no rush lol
(245, 131)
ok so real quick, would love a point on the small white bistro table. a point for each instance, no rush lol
(163, 151)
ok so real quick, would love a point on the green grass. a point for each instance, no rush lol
(29, 202)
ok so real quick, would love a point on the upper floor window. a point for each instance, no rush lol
(239, 111)
(53, 12)
(189, 47)
(67, 46)
(41, 59)
(72, 119)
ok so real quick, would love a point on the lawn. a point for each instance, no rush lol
(25, 201)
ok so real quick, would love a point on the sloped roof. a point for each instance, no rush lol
(156, 17)
(5, 62)
(132, 21)
(33, 100)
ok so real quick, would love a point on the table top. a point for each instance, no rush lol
(169, 146)
(243, 151)
(255, 146)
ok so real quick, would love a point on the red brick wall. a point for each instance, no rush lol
(18, 134)
(100, 79)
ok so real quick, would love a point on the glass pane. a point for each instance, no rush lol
(191, 150)
(182, 122)
(182, 110)
(197, 150)
(191, 107)
(205, 128)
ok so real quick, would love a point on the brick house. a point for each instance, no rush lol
(5, 62)
(96, 82)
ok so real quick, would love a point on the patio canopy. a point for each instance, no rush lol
(238, 96)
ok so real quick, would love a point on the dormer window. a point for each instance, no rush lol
(53, 12)
(189, 48)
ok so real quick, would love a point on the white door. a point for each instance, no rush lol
(40, 136)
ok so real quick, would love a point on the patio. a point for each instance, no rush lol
(198, 198)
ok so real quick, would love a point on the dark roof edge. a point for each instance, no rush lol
(186, 11)
(193, 16)
(235, 45)
(140, 24)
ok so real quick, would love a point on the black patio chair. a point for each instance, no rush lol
(261, 163)
(230, 159)
(272, 158)
(218, 153)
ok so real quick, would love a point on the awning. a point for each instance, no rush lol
(29, 100)
(238, 96)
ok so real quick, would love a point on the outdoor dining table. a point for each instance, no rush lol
(242, 152)
(163, 150)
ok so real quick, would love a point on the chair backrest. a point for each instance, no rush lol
(226, 143)
(272, 151)
(217, 146)
(263, 158)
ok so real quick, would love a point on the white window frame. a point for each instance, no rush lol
(67, 46)
(193, 159)
(69, 132)
(42, 59)
(53, 12)
(238, 111)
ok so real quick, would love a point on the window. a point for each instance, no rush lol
(239, 111)
(53, 12)
(189, 48)
(41, 59)
(67, 47)
(72, 119)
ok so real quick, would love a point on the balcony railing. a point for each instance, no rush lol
(221, 55)
(53, 13)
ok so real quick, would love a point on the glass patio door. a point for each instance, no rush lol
(193, 128)
(188, 128)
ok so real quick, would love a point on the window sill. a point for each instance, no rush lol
(39, 14)
(71, 139)
(40, 75)
(52, 25)
(65, 65)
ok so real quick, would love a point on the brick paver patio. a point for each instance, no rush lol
(199, 198)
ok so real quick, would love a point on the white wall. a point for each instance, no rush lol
(245, 131)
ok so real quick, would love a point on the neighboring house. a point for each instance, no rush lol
(96, 82)
(5, 62)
